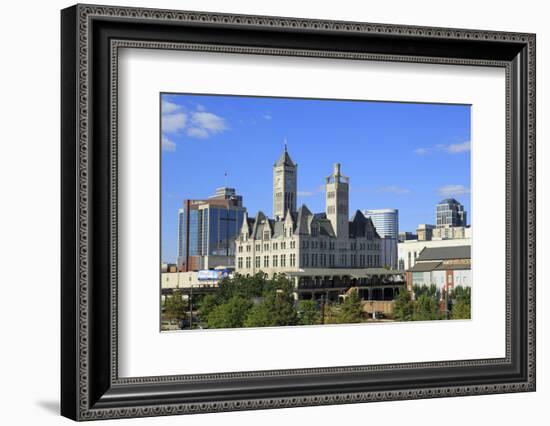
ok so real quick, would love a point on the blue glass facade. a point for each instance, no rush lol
(208, 229)
(223, 228)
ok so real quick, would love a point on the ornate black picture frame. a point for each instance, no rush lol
(91, 36)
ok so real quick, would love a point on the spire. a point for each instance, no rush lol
(284, 159)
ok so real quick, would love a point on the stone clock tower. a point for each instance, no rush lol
(285, 175)
(337, 202)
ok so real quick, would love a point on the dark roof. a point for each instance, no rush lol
(325, 228)
(437, 266)
(360, 225)
(453, 266)
(302, 220)
(285, 160)
(444, 253)
(424, 266)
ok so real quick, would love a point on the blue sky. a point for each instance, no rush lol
(397, 155)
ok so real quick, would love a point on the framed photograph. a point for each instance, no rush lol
(263, 212)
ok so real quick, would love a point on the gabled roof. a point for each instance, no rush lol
(248, 224)
(303, 220)
(258, 223)
(359, 225)
(325, 227)
(444, 253)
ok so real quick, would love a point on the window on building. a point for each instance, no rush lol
(275, 261)
(266, 247)
(274, 246)
(248, 262)
(283, 260)
(257, 261)
(266, 261)
(266, 235)
(240, 262)
(292, 259)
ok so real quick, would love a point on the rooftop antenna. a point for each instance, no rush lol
(285, 145)
(225, 177)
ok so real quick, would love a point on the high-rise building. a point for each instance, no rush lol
(285, 175)
(386, 222)
(207, 230)
(450, 212)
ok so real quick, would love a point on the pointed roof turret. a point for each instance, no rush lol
(284, 159)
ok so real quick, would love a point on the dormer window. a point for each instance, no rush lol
(266, 235)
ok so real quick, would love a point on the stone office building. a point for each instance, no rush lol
(297, 239)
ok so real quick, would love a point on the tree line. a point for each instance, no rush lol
(430, 303)
(259, 301)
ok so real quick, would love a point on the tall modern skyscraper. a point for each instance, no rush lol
(285, 175)
(207, 230)
(337, 202)
(449, 213)
(386, 222)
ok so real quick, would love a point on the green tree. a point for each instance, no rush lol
(276, 309)
(308, 312)
(350, 310)
(175, 307)
(207, 305)
(403, 308)
(426, 308)
(461, 310)
(230, 314)
(461, 307)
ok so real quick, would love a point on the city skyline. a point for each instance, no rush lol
(215, 141)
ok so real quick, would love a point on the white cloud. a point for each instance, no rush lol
(450, 190)
(167, 144)
(197, 132)
(197, 124)
(173, 123)
(267, 116)
(453, 148)
(169, 107)
(456, 148)
(208, 121)
(394, 189)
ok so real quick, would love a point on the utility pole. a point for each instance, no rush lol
(322, 309)
(191, 308)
